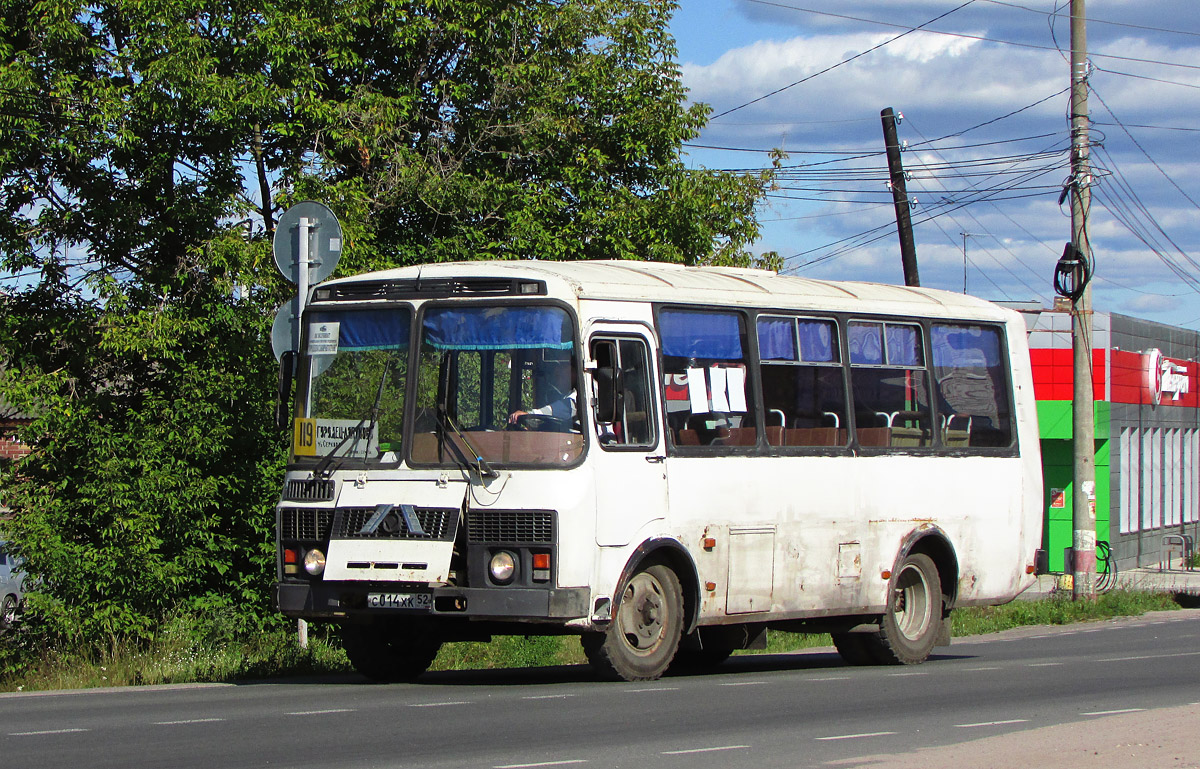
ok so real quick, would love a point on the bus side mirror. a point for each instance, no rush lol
(283, 411)
(605, 377)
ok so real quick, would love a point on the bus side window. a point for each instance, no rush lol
(624, 366)
(804, 395)
(890, 385)
(706, 378)
(972, 387)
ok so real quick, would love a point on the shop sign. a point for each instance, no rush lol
(1165, 376)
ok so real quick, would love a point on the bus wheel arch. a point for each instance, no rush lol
(673, 555)
(921, 588)
(933, 542)
(650, 615)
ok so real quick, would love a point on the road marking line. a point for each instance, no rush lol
(1112, 712)
(1150, 657)
(703, 750)
(548, 697)
(854, 736)
(993, 723)
(653, 689)
(745, 683)
(437, 704)
(188, 721)
(320, 712)
(906, 675)
(1044, 664)
(543, 763)
(831, 678)
(45, 731)
(985, 668)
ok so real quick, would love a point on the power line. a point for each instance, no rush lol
(963, 35)
(1092, 20)
(830, 68)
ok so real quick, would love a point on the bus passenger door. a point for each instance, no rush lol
(631, 487)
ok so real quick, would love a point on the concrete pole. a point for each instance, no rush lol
(1083, 416)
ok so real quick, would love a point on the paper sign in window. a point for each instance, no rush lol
(697, 392)
(720, 403)
(736, 380)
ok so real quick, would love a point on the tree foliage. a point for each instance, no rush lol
(147, 148)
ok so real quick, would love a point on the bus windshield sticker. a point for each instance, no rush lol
(323, 338)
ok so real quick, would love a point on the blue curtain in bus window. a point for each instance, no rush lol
(866, 343)
(777, 339)
(818, 341)
(368, 329)
(497, 328)
(903, 346)
(707, 335)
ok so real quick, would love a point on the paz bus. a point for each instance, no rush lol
(666, 461)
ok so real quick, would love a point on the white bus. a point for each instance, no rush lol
(664, 460)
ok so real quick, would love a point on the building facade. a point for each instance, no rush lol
(1147, 447)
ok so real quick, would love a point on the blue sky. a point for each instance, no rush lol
(983, 91)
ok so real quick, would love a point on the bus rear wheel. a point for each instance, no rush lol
(643, 637)
(910, 628)
(390, 653)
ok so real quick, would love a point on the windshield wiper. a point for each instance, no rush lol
(481, 466)
(325, 468)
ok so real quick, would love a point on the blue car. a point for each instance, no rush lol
(11, 588)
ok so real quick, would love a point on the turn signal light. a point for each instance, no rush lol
(289, 556)
(886, 574)
(541, 560)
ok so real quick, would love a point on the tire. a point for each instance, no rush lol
(390, 653)
(8, 612)
(913, 622)
(856, 648)
(641, 640)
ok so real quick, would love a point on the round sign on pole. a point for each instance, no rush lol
(324, 241)
(283, 330)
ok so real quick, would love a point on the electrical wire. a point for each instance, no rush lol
(832, 67)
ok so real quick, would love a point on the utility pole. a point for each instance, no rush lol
(1084, 429)
(965, 235)
(908, 249)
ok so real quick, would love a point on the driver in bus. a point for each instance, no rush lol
(561, 388)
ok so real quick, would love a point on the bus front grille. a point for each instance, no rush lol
(435, 524)
(527, 526)
(305, 523)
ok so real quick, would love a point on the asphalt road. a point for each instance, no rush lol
(796, 710)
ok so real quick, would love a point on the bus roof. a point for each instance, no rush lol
(663, 282)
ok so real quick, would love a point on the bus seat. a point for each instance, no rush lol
(874, 436)
(688, 438)
(739, 436)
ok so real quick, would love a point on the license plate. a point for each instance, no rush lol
(421, 601)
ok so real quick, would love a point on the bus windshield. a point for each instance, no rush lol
(353, 404)
(496, 385)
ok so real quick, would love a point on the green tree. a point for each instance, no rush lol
(146, 150)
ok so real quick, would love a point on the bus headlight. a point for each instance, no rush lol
(314, 562)
(502, 566)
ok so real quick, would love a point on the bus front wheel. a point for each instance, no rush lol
(641, 640)
(390, 653)
(910, 628)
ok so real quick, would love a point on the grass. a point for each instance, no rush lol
(189, 650)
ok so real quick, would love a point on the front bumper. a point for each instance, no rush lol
(341, 599)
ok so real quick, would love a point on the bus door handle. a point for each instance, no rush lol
(655, 458)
